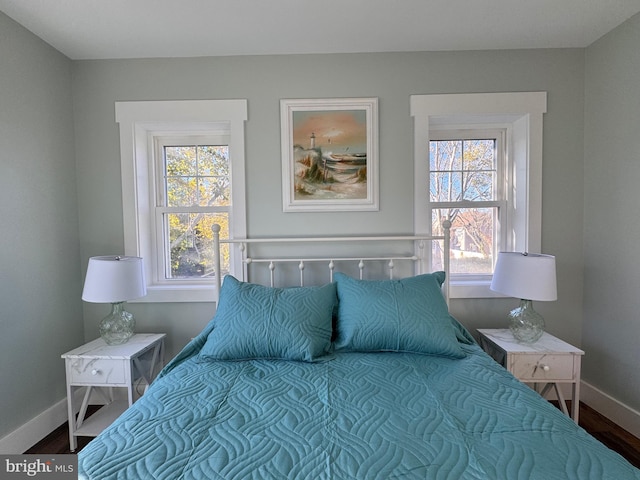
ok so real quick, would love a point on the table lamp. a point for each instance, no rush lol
(115, 279)
(527, 276)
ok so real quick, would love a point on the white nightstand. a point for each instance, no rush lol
(132, 365)
(549, 361)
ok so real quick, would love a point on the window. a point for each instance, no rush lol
(478, 163)
(182, 171)
(466, 186)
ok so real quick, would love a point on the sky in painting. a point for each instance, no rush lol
(335, 130)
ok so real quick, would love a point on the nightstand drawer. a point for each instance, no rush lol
(542, 367)
(96, 371)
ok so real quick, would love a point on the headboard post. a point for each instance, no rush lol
(446, 261)
(216, 264)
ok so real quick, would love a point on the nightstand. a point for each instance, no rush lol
(98, 366)
(545, 363)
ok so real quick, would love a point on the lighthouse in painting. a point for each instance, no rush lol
(312, 141)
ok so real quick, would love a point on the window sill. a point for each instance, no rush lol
(472, 289)
(178, 294)
(206, 293)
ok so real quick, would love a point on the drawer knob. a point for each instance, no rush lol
(95, 372)
(546, 368)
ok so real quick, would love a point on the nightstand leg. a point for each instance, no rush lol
(71, 419)
(561, 400)
(83, 408)
(575, 402)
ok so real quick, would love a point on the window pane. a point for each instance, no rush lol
(190, 244)
(446, 186)
(472, 239)
(213, 160)
(181, 191)
(214, 191)
(180, 161)
(445, 155)
(478, 186)
(479, 154)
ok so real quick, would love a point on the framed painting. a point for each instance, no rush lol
(329, 154)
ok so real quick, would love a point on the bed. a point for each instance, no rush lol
(353, 378)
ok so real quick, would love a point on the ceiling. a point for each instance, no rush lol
(99, 29)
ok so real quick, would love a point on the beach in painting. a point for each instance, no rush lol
(329, 154)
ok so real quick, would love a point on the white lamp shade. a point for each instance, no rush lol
(530, 276)
(112, 279)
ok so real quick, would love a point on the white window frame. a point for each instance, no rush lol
(161, 265)
(521, 115)
(141, 123)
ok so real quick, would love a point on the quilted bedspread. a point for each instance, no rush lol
(356, 416)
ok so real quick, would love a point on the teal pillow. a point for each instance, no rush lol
(408, 315)
(254, 321)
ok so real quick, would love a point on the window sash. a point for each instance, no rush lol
(163, 141)
(461, 133)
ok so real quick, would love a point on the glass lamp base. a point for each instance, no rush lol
(117, 327)
(525, 323)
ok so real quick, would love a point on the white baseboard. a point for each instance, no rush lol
(34, 430)
(26, 436)
(616, 411)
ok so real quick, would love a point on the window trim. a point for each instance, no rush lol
(139, 123)
(521, 113)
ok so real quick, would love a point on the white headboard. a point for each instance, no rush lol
(328, 253)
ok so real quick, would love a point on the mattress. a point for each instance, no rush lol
(355, 416)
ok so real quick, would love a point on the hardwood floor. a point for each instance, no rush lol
(57, 442)
(613, 436)
(597, 425)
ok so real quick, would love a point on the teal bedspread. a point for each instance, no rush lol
(356, 416)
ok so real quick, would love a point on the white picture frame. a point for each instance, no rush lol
(329, 154)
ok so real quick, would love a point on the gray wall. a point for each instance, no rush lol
(612, 230)
(392, 77)
(40, 308)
